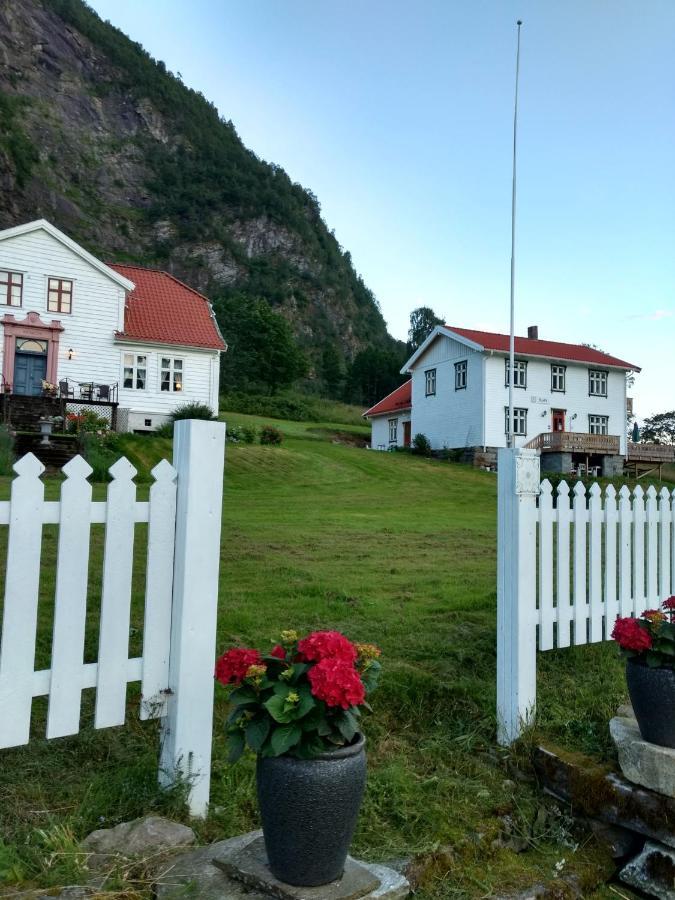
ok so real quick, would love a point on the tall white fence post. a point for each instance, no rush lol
(518, 487)
(198, 457)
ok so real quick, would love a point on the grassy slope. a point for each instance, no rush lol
(387, 548)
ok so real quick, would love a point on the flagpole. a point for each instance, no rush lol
(512, 339)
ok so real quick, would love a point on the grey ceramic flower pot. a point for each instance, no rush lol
(309, 809)
(652, 693)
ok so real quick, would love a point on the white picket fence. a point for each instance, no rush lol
(183, 516)
(567, 567)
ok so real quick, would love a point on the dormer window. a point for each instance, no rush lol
(59, 295)
(11, 288)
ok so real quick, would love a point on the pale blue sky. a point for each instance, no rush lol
(398, 116)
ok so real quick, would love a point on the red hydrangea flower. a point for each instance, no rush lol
(337, 683)
(326, 645)
(669, 603)
(232, 666)
(630, 635)
(278, 651)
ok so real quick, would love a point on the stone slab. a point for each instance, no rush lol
(652, 871)
(641, 762)
(249, 865)
(195, 874)
(600, 793)
(141, 837)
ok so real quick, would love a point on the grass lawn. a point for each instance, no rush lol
(387, 548)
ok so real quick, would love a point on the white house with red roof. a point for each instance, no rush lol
(138, 337)
(569, 399)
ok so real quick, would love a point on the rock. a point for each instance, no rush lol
(141, 837)
(599, 793)
(641, 762)
(70, 892)
(619, 841)
(653, 871)
(200, 874)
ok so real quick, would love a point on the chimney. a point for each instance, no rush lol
(533, 332)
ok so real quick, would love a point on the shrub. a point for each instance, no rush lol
(192, 411)
(165, 430)
(421, 445)
(6, 450)
(100, 451)
(248, 434)
(270, 435)
(87, 420)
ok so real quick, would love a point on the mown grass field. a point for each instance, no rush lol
(390, 548)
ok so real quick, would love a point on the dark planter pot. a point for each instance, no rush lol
(652, 693)
(309, 809)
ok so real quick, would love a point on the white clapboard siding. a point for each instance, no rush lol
(618, 558)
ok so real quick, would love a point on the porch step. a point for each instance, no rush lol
(60, 451)
(24, 413)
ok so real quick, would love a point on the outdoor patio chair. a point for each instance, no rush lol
(65, 390)
(86, 390)
(104, 392)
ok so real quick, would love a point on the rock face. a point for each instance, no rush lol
(641, 762)
(652, 872)
(139, 838)
(116, 151)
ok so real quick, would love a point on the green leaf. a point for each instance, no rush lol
(238, 712)
(307, 702)
(276, 707)
(347, 725)
(284, 738)
(243, 694)
(281, 689)
(257, 731)
(235, 745)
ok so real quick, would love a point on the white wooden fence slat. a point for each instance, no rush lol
(611, 517)
(158, 591)
(87, 678)
(22, 580)
(579, 573)
(564, 609)
(51, 515)
(638, 551)
(652, 562)
(546, 614)
(595, 516)
(70, 604)
(116, 597)
(664, 544)
(625, 543)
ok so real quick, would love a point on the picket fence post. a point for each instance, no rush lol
(198, 457)
(518, 487)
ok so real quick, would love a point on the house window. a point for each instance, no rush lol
(430, 382)
(460, 375)
(558, 378)
(519, 421)
(59, 295)
(11, 288)
(171, 374)
(135, 371)
(597, 383)
(598, 424)
(519, 373)
(393, 431)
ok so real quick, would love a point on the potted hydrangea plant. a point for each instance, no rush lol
(298, 708)
(648, 643)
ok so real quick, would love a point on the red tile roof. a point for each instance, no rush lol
(398, 400)
(549, 349)
(162, 309)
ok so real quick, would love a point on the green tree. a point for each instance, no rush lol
(332, 371)
(372, 375)
(262, 352)
(660, 428)
(423, 320)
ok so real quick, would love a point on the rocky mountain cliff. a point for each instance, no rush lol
(112, 148)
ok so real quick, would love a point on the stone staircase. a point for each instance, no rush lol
(60, 450)
(22, 415)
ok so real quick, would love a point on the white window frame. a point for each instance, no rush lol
(520, 370)
(430, 383)
(558, 378)
(135, 368)
(171, 369)
(519, 421)
(597, 383)
(598, 424)
(461, 374)
(393, 431)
